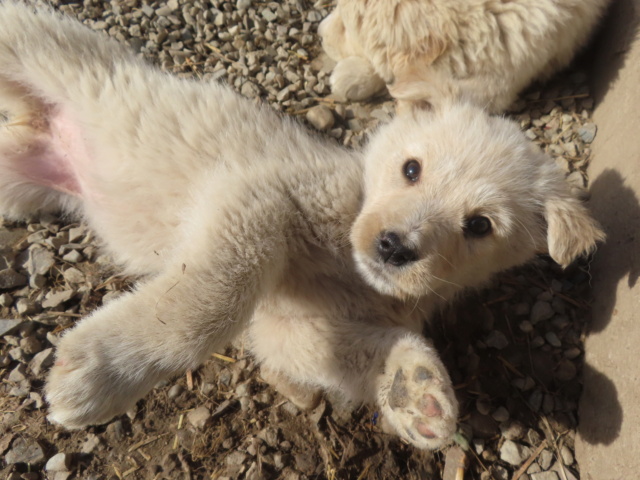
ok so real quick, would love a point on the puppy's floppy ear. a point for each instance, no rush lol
(571, 231)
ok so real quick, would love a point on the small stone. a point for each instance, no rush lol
(30, 345)
(60, 462)
(6, 300)
(566, 370)
(454, 459)
(550, 475)
(483, 425)
(567, 456)
(55, 299)
(18, 374)
(74, 256)
(483, 405)
(40, 260)
(269, 436)
(244, 389)
(552, 339)
(41, 361)
(512, 430)
(500, 415)
(321, 117)
(545, 459)
(236, 458)
(243, 4)
(9, 278)
(77, 233)
(526, 326)
(115, 430)
(38, 402)
(572, 353)
(73, 275)
(90, 444)
(7, 326)
(175, 391)
(514, 453)
(497, 340)
(588, 132)
(541, 311)
(199, 417)
(25, 450)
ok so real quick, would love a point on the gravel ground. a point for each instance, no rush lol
(514, 350)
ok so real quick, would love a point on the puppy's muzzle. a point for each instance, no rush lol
(393, 251)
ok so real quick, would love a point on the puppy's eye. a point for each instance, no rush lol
(477, 226)
(411, 170)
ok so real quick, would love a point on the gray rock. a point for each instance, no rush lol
(38, 402)
(199, 417)
(9, 278)
(18, 374)
(566, 370)
(243, 4)
(41, 361)
(25, 450)
(73, 275)
(545, 459)
(567, 456)
(8, 326)
(514, 453)
(74, 256)
(60, 462)
(497, 340)
(55, 299)
(236, 458)
(30, 345)
(500, 415)
(175, 391)
(587, 132)
(40, 260)
(550, 475)
(321, 117)
(541, 311)
(91, 443)
(552, 339)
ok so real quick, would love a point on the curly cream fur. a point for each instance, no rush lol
(485, 51)
(238, 219)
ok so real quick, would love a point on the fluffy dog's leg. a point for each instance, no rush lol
(392, 367)
(202, 299)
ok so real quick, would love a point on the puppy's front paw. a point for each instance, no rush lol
(419, 403)
(83, 387)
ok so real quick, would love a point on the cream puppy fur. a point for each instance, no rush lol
(236, 218)
(426, 50)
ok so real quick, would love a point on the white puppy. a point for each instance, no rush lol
(237, 217)
(426, 50)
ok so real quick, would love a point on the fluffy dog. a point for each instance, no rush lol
(237, 218)
(425, 50)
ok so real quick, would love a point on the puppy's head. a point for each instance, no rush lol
(453, 196)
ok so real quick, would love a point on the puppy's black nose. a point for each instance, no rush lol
(391, 250)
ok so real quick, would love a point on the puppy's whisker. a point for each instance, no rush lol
(533, 241)
(447, 281)
(446, 260)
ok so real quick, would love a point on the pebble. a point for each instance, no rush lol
(588, 132)
(30, 345)
(91, 443)
(541, 311)
(549, 475)
(60, 462)
(552, 339)
(41, 361)
(514, 453)
(566, 370)
(321, 117)
(199, 417)
(175, 391)
(544, 459)
(500, 415)
(567, 456)
(25, 450)
(497, 340)
(18, 374)
(40, 260)
(7, 326)
(55, 299)
(73, 275)
(236, 458)
(9, 278)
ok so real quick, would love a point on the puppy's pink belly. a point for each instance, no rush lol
(57, 158)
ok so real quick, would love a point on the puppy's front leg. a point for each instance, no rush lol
(167, 325)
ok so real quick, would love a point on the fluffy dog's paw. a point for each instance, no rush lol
(83, 387)
(354, 79)
(420, 405)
